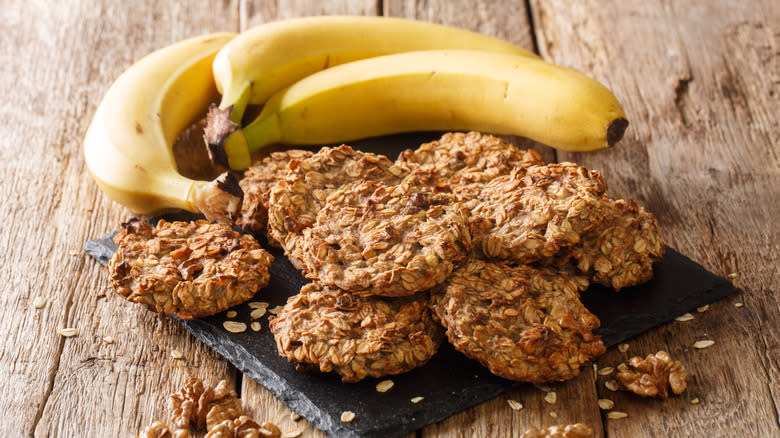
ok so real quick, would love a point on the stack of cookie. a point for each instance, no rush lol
(466, 236)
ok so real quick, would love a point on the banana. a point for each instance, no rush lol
(129, 144)
(442, 90)
(272, 56)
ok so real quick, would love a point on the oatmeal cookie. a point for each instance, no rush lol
(330, 330)
(460, 162)
(295, 201)
(257, 183)
(522, 323)
(532, 213)
(374, 239)
(192, 269)
(620, 251)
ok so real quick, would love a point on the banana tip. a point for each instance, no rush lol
(616, 130)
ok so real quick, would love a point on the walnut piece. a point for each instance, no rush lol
(653, 375)
(205, 407)
(578, 430)
(158, 429)
(244, 427)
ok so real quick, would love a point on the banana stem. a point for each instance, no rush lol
(263, 131)
(236, 106)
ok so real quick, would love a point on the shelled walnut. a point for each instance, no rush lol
(653, 375)
(243, 427)
(205, 407)
(578, 430)
(158, 429)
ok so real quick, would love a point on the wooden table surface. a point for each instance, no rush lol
(698, 80)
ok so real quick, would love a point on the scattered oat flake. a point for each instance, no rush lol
(612, 385)
(514, 404)
(234, 326)
(68, 332)
(176, 354)
(275, 310)
(703, 308)
(293, 433)
(551, 397)
(347, 416)
(257, 313)
(695, 401)
(73, 252)
(684, 317)
(294, 416)
(417, 399)
(606, 404)
(255, 326)
(108, 339)
(257, 304)
(738, 304)
(231, 313)
(623, 348)
(39, 302)
(615, 415)
(384, 385)
(732, 275)
(553, 414)
(703, 344)
(606, 371)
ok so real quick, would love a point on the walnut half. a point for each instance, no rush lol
(653, 375)
(578, 430)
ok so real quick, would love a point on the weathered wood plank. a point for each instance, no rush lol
(507, 20)
(699, 83)
(61, 59)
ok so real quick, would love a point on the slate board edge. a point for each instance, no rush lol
(278, 386)
(716, 293)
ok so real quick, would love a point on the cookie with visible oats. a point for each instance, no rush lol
(295, 201)
(329, 330)
(257, 183)
(533, 212)
(522, 323)
(371, 238)
(621, 250)
(461, 162)
(192, 269)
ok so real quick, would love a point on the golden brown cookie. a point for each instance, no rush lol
(375, 239)
(192, 269)
(330, 330)
(295, 201)
(522, 323)
(533, 212)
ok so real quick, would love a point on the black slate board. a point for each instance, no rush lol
(450, 382)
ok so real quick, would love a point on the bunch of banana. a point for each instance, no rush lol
(129, 144)
(270, 57)
(442, 90)
(327, 80)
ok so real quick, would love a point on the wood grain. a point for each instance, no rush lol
(62, 57)
(699, 84)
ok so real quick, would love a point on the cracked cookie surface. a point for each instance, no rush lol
(295, 201)
(192, 269)
(522, 323)
(330, 330)
(375, 239)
